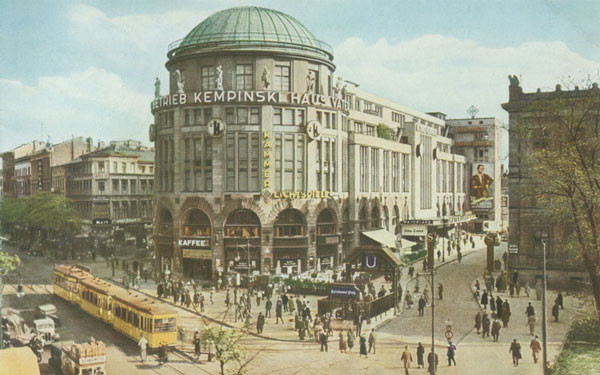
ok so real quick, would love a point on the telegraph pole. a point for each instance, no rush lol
(544, 328)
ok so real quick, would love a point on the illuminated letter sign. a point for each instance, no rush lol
(371, 261)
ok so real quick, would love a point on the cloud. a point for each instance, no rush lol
(442, 73)
(92, 102)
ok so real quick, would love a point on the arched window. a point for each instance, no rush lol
(289, 223)
(326, 222)
(165, 222)
(196, 224)
(363, 218)
(242, 223)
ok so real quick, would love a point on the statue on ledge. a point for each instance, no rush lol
(514, 81)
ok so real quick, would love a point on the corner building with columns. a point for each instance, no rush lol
(265, 160)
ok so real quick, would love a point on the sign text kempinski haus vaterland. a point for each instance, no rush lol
(275, 97)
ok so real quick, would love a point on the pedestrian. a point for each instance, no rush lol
(411, 271)
(358, 323)
(268, 306)
(478, 321)
(363, 346)
(212, 301)
(420, 353)
(536, 347)
(260, 323)
(227, 298)
(291, 305)
(531, 324)
(505, 313)
(484, 299)
(258, 297)
(515, 349)
(439, 255)
(407, 359)
(499, 307)
(201, 302)
(343, 344)
(278, 311)
(372, 341)
(555, 311)
(197, 344)
(285, 299)
(492, 303)
(421, 306)
(188, 299)
(511, 287)
(529, 311)
(143, 343)
(441, 291)
(426, 295)
(323, 339)
(477, 285)
(518, 288)
(559, 300)
(496, 330)
(485, 323)
(459, 256)
(159, 290)
(450, 353)
(350, 337)
(527, 289)
(432, 362)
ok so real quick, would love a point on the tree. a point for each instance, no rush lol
(227, 347)
(40, 212)
(385, 132)
(561, 163)
(8, 263)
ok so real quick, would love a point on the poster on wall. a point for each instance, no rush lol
(482, 186)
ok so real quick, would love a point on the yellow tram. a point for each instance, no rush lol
(96, 298)
(130, 313)
(135, 315)
(67, 279)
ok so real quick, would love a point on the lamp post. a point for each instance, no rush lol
(432, 283)
(544, 328)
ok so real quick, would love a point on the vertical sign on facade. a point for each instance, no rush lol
(266, 159)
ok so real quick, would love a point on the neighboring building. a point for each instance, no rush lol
(18, 184)
(111, 189)
(480, 141)
(527, 227)
(265, 162)
(29, 167)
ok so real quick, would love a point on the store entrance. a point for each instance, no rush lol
(197, 269)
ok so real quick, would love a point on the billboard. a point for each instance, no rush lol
(482, 186)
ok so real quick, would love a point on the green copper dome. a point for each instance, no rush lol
(252, 28)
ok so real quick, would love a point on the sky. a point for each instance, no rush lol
(87, 68)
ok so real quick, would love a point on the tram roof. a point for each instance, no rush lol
(72, 271)
(143, 303)
(99, 285)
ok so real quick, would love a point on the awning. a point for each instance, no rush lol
(406, 244)
(383, 237)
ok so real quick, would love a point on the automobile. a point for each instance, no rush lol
(44, 330)
(48, 311)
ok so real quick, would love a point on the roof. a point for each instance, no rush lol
(142, 303)
(388, 255)
(98, 285)
(253, 27)
(72, 271)
(18, 361)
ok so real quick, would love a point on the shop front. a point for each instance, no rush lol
(196, 246)
(242, 242)
(197, 264)
(290, 242)
(327, 241)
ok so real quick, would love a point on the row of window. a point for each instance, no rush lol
(244, 77)
(66, 284)
(198, 162)
(396, 170)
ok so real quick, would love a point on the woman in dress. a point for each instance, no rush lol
(350, 337)
(342, 342)
(363, 346)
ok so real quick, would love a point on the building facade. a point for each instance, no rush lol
(528, 229)
(480, 141)
(267, 163)
(111, 189)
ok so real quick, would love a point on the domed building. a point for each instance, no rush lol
(259, 163)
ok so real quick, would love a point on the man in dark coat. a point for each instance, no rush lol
(431, 363)
(529, 311)
(499, 307)
(285, 300)
(559, 300)
(450, 353)
(515, 349)
(492, 303)
(484, 299)
(485, 322)
(268, 306)
(505, 313)
(260, 322)
(555, 312)
(441, 291)
(421, 306)
(495, 330)
(159, 290)
(420, 353)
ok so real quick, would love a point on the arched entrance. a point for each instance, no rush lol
(347, 231)
(375, 218)
(290, 242)
(242, 241)
(196, 246)
(327, 240)
(363, 219)
(164, 242)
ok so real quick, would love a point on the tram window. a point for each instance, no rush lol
(129, 316)
(164, 325)
(95, 297)
(136, 321)
(118, 311)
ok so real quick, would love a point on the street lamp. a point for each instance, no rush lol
(432, 283)
(544, 328)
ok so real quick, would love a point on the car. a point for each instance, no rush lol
(44, 330)
(48, 311)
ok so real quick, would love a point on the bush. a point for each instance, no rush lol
(385, 132)
(586, 329)
(408, 258)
